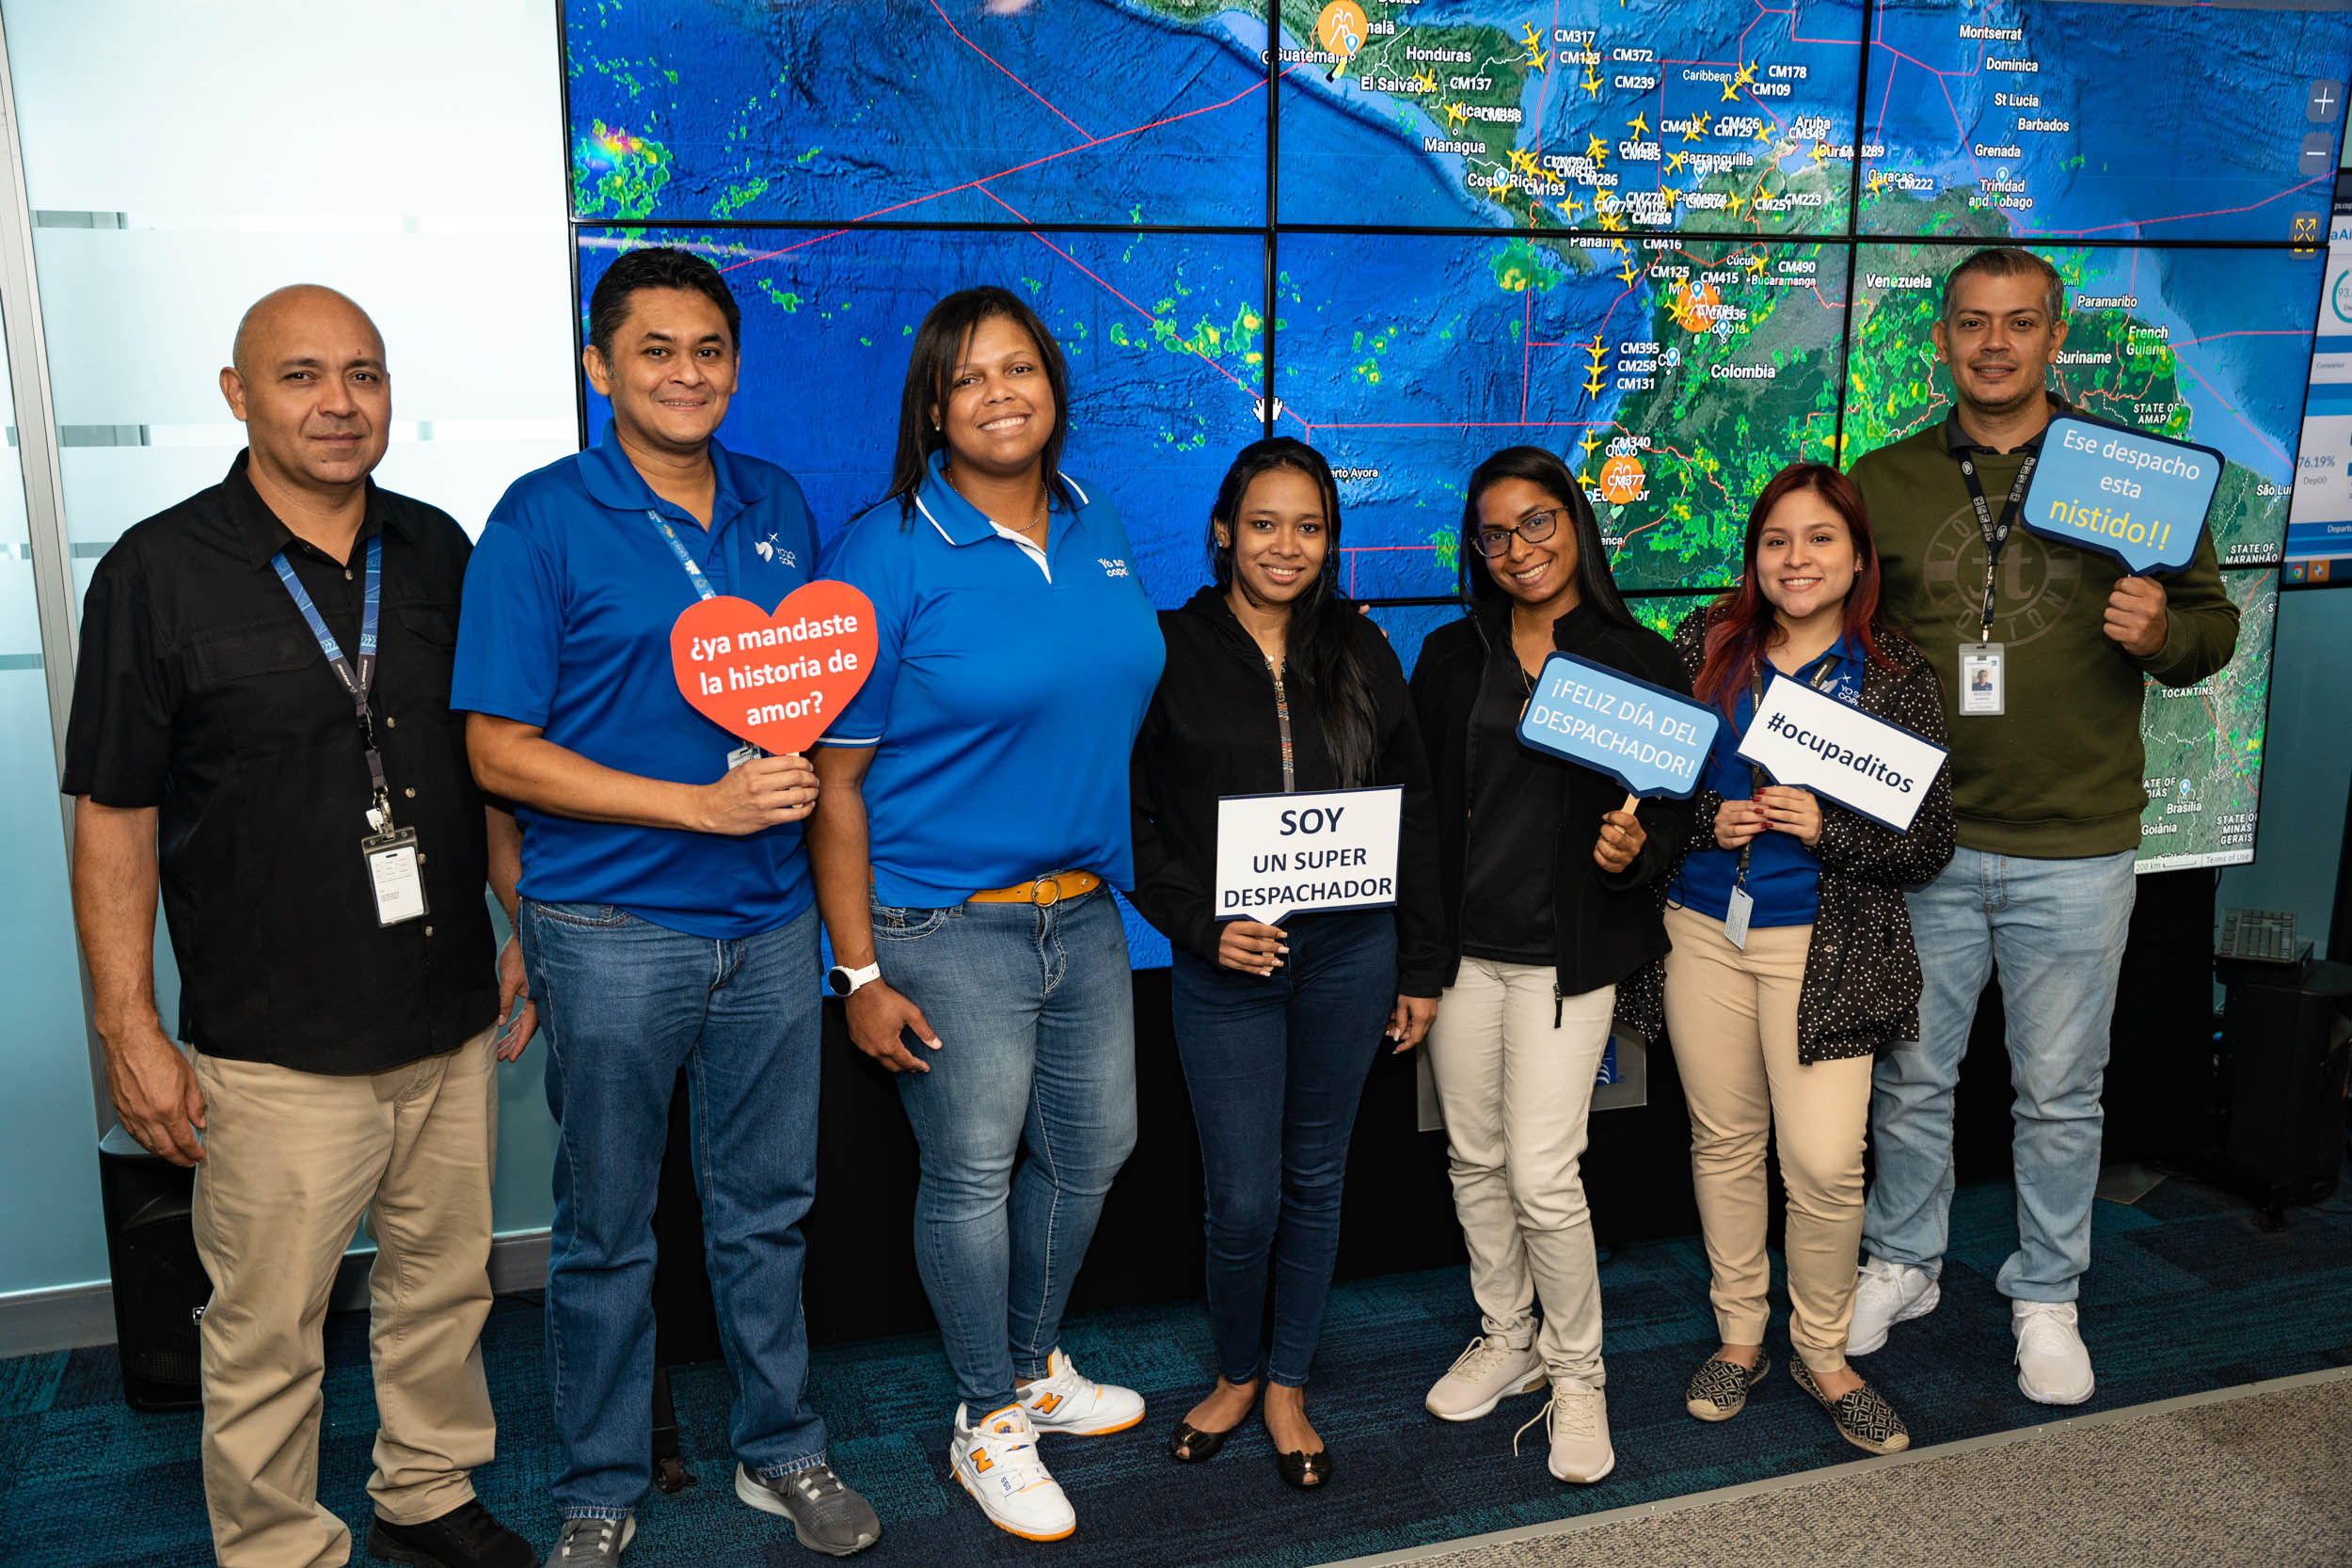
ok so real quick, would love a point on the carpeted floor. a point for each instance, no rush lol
(2257, 1481)
(2186, 1295)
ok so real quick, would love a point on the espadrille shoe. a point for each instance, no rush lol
(1719, 1390)
(1862, 1417)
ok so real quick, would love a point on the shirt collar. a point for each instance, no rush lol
(960, 522)
(612, 479)
(1956, 440)
(263, 535)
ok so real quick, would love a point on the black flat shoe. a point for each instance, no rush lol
(1192, 1445)
(1309, 1472)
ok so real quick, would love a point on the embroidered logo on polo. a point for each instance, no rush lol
(2034, 584)
(770, 550)
(1111, 569)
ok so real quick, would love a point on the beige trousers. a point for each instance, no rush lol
(1732, 1017)
(1516, 1090)
(292, 1161)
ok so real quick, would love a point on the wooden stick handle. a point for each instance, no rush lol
(1632, 801)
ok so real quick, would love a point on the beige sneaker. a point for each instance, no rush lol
(1580, 1432)
(1482, 1377)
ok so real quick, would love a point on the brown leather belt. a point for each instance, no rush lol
(1044, 892)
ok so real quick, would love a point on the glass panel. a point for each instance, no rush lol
(411, 156)
(44, 1066)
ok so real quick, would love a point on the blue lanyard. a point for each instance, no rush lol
(356, 680)
(693, 573)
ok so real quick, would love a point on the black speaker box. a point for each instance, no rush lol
(2287, 1042)
(160, 1287)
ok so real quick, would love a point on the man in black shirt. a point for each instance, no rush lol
(261, 725)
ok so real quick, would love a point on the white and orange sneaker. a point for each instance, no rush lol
(998, 1461)
(1066, 1400)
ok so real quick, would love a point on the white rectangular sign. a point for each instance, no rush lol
(1280, 855)
(1808, 738)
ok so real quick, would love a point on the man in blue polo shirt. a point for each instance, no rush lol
(667, 918)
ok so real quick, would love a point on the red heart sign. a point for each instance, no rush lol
(776, 680)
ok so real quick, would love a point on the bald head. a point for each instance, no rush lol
(308, 378)
(298, 309)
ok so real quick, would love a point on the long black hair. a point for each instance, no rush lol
(1321, 639)
(939, 344)
(1547, 473)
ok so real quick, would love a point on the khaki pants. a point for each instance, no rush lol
(292, 1161)
(1516, 1090)
(1732, 1017)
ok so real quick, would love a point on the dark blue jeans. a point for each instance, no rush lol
(1276, 1067)
(623, 1005)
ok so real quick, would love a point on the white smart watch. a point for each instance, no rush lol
(845, 982)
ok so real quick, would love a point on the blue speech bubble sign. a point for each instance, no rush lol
(1651, 740)
(2140, 498)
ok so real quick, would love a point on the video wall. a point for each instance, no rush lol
(1681, 242)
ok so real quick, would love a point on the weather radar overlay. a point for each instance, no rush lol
(1681, 243)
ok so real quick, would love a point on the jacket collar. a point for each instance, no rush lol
(263, 535)
(612, 479)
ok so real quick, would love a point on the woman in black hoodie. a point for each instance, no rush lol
(1275, 683)
(1545, 879)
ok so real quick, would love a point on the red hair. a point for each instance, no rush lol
(1739, 625)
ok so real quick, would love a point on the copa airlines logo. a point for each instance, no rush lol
(1112, 568)
(769, 550)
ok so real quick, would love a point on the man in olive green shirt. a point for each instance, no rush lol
(2043, 656)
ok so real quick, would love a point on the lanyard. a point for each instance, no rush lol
(1824, 679)
(357, 679)
(1994, 536)
(693, 573)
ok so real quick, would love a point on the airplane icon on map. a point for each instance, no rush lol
(1639, 125)
(1675, 162)
(1592, 82)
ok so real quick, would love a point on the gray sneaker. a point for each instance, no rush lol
(826, 1516)
(592, 1543)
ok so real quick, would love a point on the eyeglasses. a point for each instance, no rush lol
(1535, 527)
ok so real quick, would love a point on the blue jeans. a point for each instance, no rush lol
(2056, 927)
(1275, 1066)
(1035, 1016)
(623, 1005)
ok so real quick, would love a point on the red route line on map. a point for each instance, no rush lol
(2231, 407)
(1017, 169)
(1015, 80)
(1122, 298)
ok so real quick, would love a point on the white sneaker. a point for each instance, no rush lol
(998, 1463)
(1065, 1399)
(2053, 1368)
(1482, 1377)
(1886, 1295)
(1580, 1432)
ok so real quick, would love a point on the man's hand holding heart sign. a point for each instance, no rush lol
(775, 680)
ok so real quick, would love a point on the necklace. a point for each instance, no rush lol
(1037, 522)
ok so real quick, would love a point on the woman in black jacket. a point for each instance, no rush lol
(1792, 958)
(1275, 683)
(1549, 900)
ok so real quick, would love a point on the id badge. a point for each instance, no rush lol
(1980, 678)
(1736, 918)
(742, 754)
(396, 874)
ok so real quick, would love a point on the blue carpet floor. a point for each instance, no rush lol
(2186, 1294)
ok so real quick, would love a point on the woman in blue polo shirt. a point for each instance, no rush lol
(972, 807)
(1792, 959)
